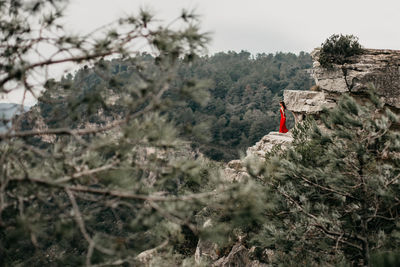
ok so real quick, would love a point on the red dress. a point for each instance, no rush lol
(282, 126)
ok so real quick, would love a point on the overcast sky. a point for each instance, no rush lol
(257, 26)
(261, 26)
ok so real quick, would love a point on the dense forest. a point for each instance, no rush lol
(238, 95)
(105, 169)
(244, 97)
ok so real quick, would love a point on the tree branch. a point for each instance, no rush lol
(79, 220)
(120, 193)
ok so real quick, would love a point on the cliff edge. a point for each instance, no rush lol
(379, 68)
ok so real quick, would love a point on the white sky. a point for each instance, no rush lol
(261, 26)
(254, 25)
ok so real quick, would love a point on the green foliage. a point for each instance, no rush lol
(244, 94)
(334, 194)
(95, 173)
(222, 104)
(388, 259)
(338, 49)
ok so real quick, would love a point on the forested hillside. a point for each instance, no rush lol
(244, 100)
(7, 111)
(237, 99)
(104, 170)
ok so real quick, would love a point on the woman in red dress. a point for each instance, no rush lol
(282, 126)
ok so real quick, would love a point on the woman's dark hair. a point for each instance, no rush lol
(283, 104)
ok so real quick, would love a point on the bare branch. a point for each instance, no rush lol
(86, 173)
(120, 193)
(324, 187)
(79, 220)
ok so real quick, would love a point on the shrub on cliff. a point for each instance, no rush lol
(338, 48)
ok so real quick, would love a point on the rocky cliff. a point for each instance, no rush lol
(236, 170)
(374, 68)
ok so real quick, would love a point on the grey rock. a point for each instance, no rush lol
(307, 102)
(380, 68)
(375, 67)
(206, 251)
(268, 142)
(236, 164)
(235, 175)
(236, 171)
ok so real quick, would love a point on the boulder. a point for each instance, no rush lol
(308, 102)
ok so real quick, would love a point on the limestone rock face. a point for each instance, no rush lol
(268, 142)
(380, 68)
(377, 67)
(235, 170)
(307, 102)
